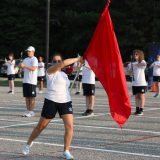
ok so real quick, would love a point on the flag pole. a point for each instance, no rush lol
(77, 74)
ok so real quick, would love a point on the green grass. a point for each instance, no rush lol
(4, 82)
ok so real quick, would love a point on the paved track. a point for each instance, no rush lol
(95, 138)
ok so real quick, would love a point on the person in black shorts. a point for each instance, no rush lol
(56, 100)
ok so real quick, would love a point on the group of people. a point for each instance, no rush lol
(57, 96)
(139, 84)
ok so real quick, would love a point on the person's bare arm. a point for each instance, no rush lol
(66, 62)
(31, 68)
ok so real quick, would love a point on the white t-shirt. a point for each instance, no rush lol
(139, 74)
(10, 67)
(30, 76)
(88, 75)
(76, 66)
(41, 71)
(57, 87)
(156, 68)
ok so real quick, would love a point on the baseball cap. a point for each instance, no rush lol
(30, 48)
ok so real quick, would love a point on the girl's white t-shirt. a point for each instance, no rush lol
(30, 76)
(139, 74)
(41, 71)
(156, 68)
(10, 67)
(58, 87)
(88, 75)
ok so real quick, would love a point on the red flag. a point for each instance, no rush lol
(104, 57)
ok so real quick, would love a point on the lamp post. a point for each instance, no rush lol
(47, 31)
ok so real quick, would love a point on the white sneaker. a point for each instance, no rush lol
(40, 92)
(26, 148)
(29, 114)
(67, 155)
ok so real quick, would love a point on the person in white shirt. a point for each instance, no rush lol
(139, 84)
(10, 72)
(156, 75)
(41, 74)
(57, 99)
(78, 68)
(30, 66)
(88, 84)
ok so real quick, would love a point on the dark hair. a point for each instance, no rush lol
(57, 54)
(11, 54)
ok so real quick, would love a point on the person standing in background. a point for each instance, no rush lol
(30, 66)
(139, 84)
(88, 83)
(10, 72)
(156, 75)
(41, 74)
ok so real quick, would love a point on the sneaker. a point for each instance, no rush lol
(88, 112)
(156, 95)
(29, 114)
(77, 93)
(26, 148)
(11, 92)
(67, 155)
(140, 113)
(40, 92)
(137, 111)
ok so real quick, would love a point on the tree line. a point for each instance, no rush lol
(72, 24)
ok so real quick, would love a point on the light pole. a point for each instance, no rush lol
(47, 31)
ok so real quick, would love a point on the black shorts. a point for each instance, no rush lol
(139, 89)
(88, 89)
(11, 77)
(156, 78)
(29, 90)
(41, 78)
(51, 108)
(79, 78)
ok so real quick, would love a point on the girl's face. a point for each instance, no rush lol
(10, 57)
(136, 56)
(40, 59)
(158, 58)
(57, 59)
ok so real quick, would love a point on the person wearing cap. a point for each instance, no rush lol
(30, 66)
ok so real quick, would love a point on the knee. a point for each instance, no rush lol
(40, 127)
(69, 128)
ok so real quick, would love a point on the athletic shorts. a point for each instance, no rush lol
(11, 77)
(156, 78)
(41, 78)
(50, 109)
(88, 89)
(29, 90)
(79, 78)
(139, 89)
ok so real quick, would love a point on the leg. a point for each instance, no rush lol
(87, 102)
(158, 87)
(31, 103)
(9, 83)
(142, 100)
(12, 85)
(42, 124)
(41, 85)
(92, 102)
(28, 103)
(68, 124)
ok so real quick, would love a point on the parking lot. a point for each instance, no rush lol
(95, 138)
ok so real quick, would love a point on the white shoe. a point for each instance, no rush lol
(40, 92)
(67, 155)
(29, 114)
(26, 148)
